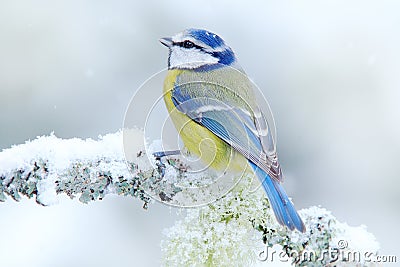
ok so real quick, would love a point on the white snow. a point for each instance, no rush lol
(59, 153)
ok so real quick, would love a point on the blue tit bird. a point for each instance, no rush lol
(213, 106)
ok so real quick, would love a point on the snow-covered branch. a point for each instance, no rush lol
(238, 229)
(49, 166)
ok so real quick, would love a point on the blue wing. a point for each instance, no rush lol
(241, 129)
(236, 126)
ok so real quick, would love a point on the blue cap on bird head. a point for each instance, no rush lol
(207, 37)
(197, 49)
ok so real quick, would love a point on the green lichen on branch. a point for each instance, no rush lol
(89, 180)
(88, 169)
(21, 181)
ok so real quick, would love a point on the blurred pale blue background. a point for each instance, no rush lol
(330, 70)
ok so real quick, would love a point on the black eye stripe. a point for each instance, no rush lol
(187, 44)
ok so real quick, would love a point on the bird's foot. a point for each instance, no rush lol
(159, 155)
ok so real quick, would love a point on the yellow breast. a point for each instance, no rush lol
(198, 140)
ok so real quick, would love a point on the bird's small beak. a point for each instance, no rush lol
(166, 41)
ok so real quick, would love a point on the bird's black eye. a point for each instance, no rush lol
(188, 44)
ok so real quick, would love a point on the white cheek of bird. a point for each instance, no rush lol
(189, 58)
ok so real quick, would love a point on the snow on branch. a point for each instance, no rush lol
(237, 229)
(48, 166)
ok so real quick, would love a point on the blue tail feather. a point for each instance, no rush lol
(283, 208)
